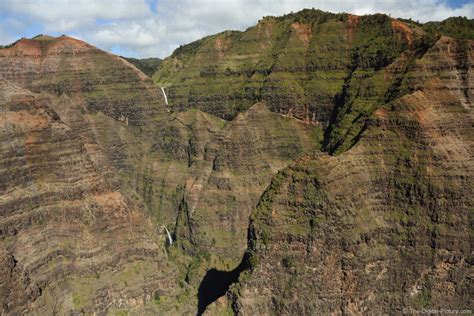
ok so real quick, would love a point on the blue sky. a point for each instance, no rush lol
(154, 28)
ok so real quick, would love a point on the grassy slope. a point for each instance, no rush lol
(148, 65)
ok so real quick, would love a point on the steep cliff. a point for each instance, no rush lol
(384, 227)
(235, 167)
(297, 63)
(73, 237)
(328, 156)
(147, 65)
(68, 238)
(192, 172)
(331, 69)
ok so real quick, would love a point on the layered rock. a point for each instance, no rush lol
(94, 162)
(137, 154)
(383, 227)
(297, 63)
(231, 173)
(80, 127)
(69, 240)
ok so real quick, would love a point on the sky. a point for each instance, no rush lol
(154, 28)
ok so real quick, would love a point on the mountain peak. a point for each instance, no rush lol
(43, 37)
(41, 45)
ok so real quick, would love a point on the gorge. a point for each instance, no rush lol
(315, 163)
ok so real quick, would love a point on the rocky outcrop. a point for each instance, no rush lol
(120, 147)
(231, 173)
(17, 289)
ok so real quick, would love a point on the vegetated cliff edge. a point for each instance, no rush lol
(382, 228)
(329, 69)
(391, 98)
(148, 65)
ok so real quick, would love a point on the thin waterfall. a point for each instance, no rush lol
(164, 94)
(170, 239)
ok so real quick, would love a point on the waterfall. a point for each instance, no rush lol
(164, 94)
(170, 239)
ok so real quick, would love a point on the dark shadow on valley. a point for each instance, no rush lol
(216, 283)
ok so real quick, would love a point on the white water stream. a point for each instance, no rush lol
(164, 94)
(169, 235)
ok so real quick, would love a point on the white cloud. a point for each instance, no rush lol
(136, 29)
(67, 15)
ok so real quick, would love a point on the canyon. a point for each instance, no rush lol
(314, 163)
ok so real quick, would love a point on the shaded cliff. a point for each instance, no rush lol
(148, 65)
(332, 69)
(193, 172)
(404, 91)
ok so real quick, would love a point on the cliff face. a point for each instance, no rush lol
(298, 64)
(72, 237)
(231, 173)
(385, 226)
(147, 65)
(68, 238)
(116, 143)
(334, 150)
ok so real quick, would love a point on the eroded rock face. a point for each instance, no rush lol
(70, 240)
(236, 166)
(372, 217)
(102, 148)
(17, 290)
(384, 226)
(298, 64)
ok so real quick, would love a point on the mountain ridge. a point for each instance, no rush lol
(236, 63)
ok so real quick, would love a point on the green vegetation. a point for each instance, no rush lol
(147, 65)
(77, 300)
(375, 46)
(42, 37)
(341, 77)
(457, 27)
(225, 74)
(313, 65)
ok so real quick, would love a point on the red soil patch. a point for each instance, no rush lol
(265, 31)
(24, 47)
(303, 31)
(65, 43)
(112, 198)
(24, 120)
(403, 29)
(381, 114)
(265, 28)
(37, 48)
(221, 45)
(421, 108)
(352, 22)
